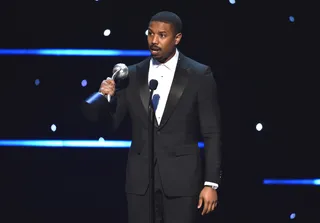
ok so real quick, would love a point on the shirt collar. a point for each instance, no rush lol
(170, 64)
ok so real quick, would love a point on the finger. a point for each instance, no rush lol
(213, 206)
(209, 207)
(205, 208)
(110, 81)
(102, 89)
(106, 90)
(108, 86)
(200, 202)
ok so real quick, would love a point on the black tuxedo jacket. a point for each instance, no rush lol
(191, 114)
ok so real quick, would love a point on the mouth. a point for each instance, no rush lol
(154, 49)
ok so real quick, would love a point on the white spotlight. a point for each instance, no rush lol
(259, 127)
(53, 127)
(107, 32)
(232, 1)
(146, 32)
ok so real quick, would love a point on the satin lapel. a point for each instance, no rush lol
(142, 76)
(179, 83)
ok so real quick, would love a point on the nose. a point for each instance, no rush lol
(155, 39)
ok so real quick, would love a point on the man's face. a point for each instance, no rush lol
(162, 40)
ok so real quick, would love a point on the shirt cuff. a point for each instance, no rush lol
(213, 185)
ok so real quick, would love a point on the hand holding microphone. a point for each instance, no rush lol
(93, 104)
(108, 86)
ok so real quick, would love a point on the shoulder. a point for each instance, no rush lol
(133, 67)
(196, 67)
(132, 74)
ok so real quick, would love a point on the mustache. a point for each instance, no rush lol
(154, 47)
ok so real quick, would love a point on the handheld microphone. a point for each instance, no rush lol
(153, 84)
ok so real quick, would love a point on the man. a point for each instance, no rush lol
(186, 109)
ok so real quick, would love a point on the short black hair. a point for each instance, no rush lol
(169, 17)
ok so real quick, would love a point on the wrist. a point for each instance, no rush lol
(211, 184)
(212, 187)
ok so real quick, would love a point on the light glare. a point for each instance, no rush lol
(259, 127)
(84, 83)
(71, 143)
(53, 127)
(76, 52)
(291, 18)
(37, 82)
(107, 32)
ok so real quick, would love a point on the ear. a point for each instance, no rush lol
(178, 38)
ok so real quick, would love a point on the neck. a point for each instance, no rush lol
(166, 59)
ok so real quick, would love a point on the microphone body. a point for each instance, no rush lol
(153, 84)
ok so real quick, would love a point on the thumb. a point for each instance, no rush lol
(200, 202)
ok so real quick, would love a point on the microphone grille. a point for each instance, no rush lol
(153, 84)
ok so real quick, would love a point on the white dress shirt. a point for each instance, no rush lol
(164, 74)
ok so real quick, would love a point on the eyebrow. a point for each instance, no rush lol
(163, 31)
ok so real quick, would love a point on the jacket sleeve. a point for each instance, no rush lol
(117, 109)
(209, 116)
(110, 113)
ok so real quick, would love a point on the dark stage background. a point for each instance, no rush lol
(264, 68)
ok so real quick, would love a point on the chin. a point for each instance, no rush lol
(161, 58)
(157, 57)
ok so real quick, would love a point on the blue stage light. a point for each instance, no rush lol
(84, 83)
(291, 18)
(70, 143)
(76, 52)
(37, 82)
(315, 182)
(66, 143)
